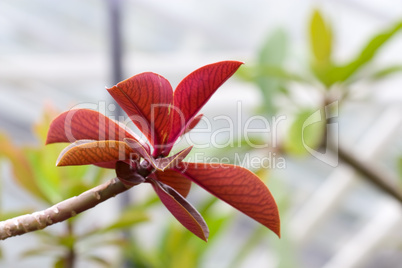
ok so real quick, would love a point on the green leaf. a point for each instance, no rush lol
(383, 73)
(21, 167)
(12, 214)
(271, 58)
(98, 260)
(400, 167)
(127, 220)
(177, 242)
(48, 185)
(268, 74)
(40, 250)
(280, 74)
(344, 72)
(60, 263)
(216, 220)
(76, 178)
(48, 238)
(103, 241)
(57, 183)
(321, 48)
(253, 73)
(274, 50)
(305, 132)
(67, 241)
(252, 241)
(178, 247)
(271, 82)
(41, 128)
(142, 257)
(35, 169)
(75, 189)
(97, 174)
(320, 40)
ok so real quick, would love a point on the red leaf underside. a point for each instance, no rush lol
(174, 179)
(96, 152)
(183, 211)
(127, 174)
(238, 187)
(171, 161)
(140, 149)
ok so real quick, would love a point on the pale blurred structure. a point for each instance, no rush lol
(58, 53)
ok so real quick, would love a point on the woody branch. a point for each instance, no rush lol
(61, 211)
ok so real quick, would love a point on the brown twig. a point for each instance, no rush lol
(61, 211)
(372, 173)
(380, 178)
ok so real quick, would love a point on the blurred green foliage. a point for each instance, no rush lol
(329, 72)
(325, 81)
(300, 135)
(34, 170)
(177, 247)
(323, 77)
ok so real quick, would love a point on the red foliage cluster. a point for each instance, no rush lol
(163, 115)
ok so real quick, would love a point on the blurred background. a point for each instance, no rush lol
(300, 57)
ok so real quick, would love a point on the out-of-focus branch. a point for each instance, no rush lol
(372, 173)
(61, 211)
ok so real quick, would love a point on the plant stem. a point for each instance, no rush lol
(379, 178)
(70, 256)
(61, 211)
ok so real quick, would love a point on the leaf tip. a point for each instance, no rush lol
(275, 226)
(278, 231)
(49, 137)
(48, 140)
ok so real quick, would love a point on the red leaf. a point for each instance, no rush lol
(127, 174)
(171, 161)
(146, 98)
(159, 163)
(110, 165)
(82, 124)
(193, 123)
(86, 152)
(183, 211)
(238, 187)
(174, 179)
(138, 147)
(195, 90)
